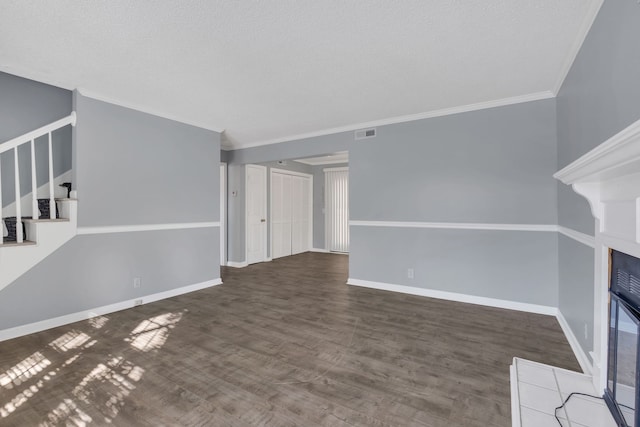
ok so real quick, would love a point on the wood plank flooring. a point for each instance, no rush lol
(284, 343)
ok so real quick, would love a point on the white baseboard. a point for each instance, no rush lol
(323, 251)
(235, 264)
(31, 328)
(452, 296)
(582, 357)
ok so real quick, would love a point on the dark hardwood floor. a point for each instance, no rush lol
(284, 343)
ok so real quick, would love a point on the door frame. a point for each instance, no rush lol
(223, 213)
(294, 173)
(246, 213)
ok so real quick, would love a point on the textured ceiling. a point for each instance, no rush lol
(270, 70)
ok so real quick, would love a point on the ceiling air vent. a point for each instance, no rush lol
(366, 133)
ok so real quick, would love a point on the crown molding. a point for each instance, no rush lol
(588, 21)
(143, 109)
(537, 96)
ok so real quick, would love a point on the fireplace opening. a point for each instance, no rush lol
(621, 394)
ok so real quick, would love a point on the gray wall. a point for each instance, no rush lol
(489, 166)
(131, 168)
(135, 168)
(95, 270)
(511, 265)
(26, 105)
(599, 98)
(235, 213)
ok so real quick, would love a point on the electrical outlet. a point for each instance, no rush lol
(137, 302)
(586, 331)
(410, 273)
(137, 282)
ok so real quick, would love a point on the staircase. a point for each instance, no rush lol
(50, 221)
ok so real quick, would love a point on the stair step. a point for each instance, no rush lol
(43, 206)
(13, 243)
(31, 221)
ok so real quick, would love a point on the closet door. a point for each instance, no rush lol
(280, 215)
(300, 209)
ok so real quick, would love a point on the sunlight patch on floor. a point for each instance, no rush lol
(69, 341)
(24, 370)
(152, 333)
(69, 413)
(98, 321)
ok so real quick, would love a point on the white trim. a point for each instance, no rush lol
(589, 18)
(41, 131)
(340, 169)
(108, 229)
(147, 110)
(31, 328)
(583, 238)
(582, 357)
(515, 395)
(288, 172)
(234, 264)
(456, 225)
(223, 213)
(452, 296)
(323, 251)
(408, 118)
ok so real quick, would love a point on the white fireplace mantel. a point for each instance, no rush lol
(609, 178)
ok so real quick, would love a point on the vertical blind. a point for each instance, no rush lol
(336, 184)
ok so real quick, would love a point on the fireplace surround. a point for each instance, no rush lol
(609, 178)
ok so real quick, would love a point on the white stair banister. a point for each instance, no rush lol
(52, 200)
(18, 204)
(13, 144)
(34, 184)
(1, 220)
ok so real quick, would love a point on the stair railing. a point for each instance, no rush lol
(13, 144)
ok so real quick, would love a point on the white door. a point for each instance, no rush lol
(280, 215)
(223, 214)
(300, 215)
(336, 190)
(256, 213)
(291, 210)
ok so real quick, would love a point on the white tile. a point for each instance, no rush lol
(533, 418)
(589, 412)
(570, 383)
(539, 398)
(537, 375)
